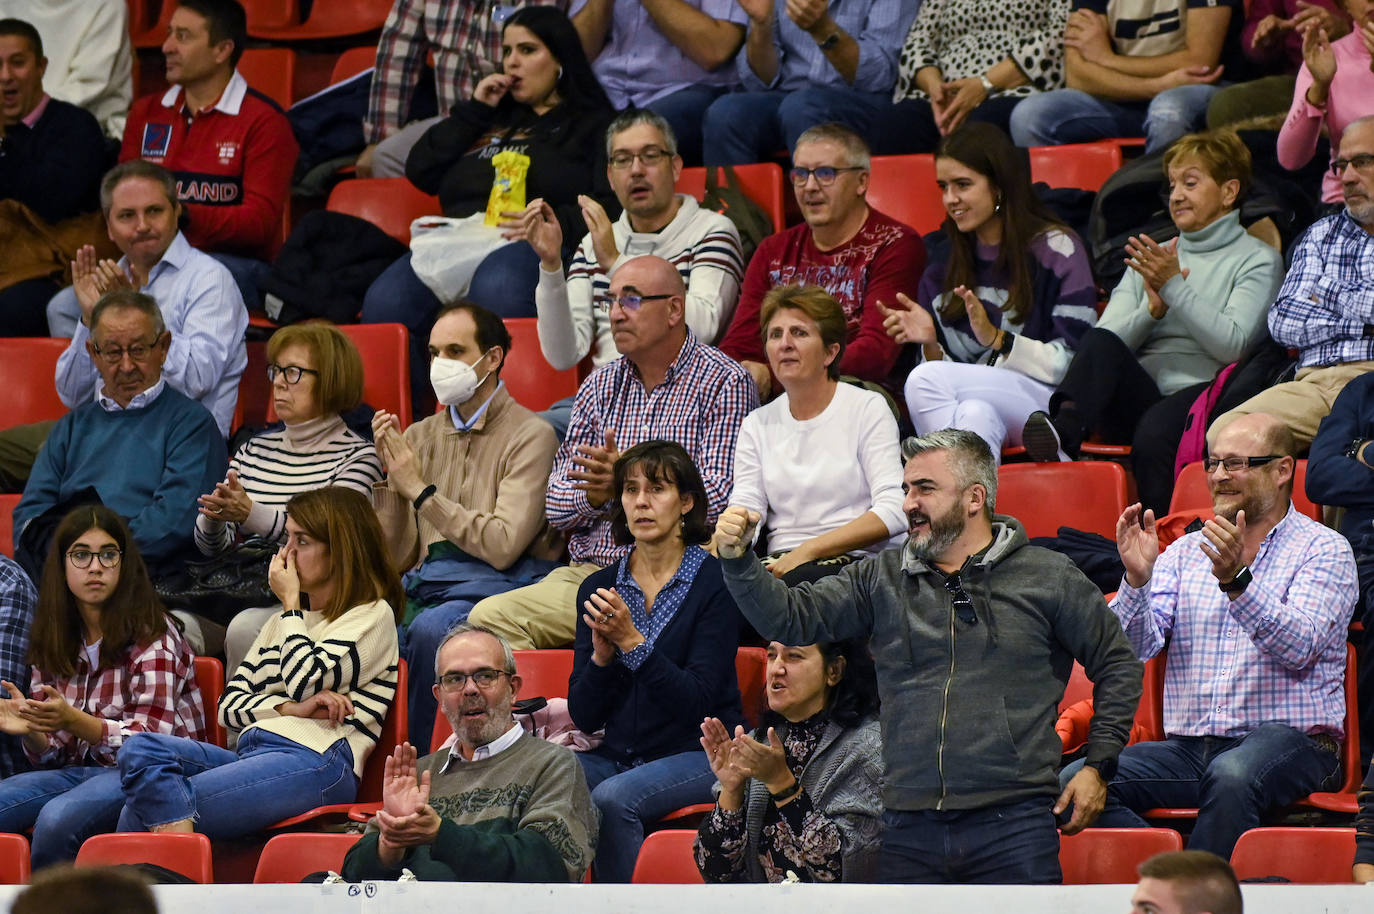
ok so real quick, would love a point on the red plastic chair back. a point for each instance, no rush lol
(210, 679)
(14, 859)
(530, 379)
(28, 372)
(1083, 165)
(272, 71)
(145, 30)
(1109, 856)
(187, 854)
(8, 503)
(391, 204)
(330, 19)
(271, 15)
(290, 857)
(903, 187)
(761, 182)
(385, 349)
(1191, 491)
(1306, 855)
(1087, 495)
(666, 858)
(352, 62)
(751, 671)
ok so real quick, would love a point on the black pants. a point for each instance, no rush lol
(910, 125)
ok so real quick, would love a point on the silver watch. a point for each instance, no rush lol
(987, 83)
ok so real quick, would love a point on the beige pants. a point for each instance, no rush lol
(541, 615)
(1301, 404)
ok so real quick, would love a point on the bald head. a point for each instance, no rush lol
(1262, 490)
(650, 271)
(1263, 430)
(652, 333)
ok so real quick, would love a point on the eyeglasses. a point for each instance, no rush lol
(629, 301)
(1236, 464)
(650, 156)
(1362, 162)
(825, 175)
(81, 558)
(963, 603)
(292, 373)
(484, 679)
(114, 355)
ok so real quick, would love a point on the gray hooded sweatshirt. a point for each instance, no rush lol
(968, 709)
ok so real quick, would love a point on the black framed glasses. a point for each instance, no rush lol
(963, 603)
(1237, 464)
(113, 355)
(292, 373)
(1362, 162)
(622, 159)
(81, 558)
(485, 679)
(628, 301)
(824, 175)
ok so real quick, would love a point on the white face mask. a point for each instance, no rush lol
(454, 381)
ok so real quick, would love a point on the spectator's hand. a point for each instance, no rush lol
(1088, 794)
(1367, 36)
(229, 503)
(1187, 76)
(960, 97)
(1157, 306)
(909, 324)
(399, 832)
(323, 705)
(608, 616)
(735, 531)
(765, 762)
(93, 277)
(1317, 54)
(786, 562)
(1310, 15)
(595, 470)
(12, 721)
(50, 714)
(720, 753)
(809, 15)
(983, 330)
(1156, 263)
(405, 791)
(1269, 31)
(491, 89)
(363, 166)
(544, 234)
(1225, 546)
(758, 11)
(403, 466)
(1089, 34)
(599, 227)
(282, 577)
(1138, 544)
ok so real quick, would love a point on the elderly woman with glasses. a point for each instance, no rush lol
(654, 654)
(107, 663)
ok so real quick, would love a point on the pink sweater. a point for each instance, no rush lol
(1351, 95)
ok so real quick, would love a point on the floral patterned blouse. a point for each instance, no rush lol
(796, 837)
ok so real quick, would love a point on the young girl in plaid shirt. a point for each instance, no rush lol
(107, 663)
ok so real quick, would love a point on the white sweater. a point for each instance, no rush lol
(810, 477)
(89, 54)
(701, 243)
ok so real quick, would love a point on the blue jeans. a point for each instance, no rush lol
(63, 806)
(1232, 782)
(683, 110)
(248, 273)
(631, 797)
(559, 415)
(504, 283)
(1073, 116)
(1013, 844)
(744, 127)
(229, 794)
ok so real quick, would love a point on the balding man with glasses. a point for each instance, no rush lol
(973, 632)
(1253, 608)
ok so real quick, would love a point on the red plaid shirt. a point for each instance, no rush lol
(152, 691)
(465, 39)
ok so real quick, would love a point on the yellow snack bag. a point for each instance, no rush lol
(508, 189)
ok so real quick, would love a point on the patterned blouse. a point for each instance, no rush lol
(796, 837)
(966, 38)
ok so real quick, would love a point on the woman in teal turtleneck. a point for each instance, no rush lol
(1184, 310)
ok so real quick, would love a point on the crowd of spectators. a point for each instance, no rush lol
(729, 471)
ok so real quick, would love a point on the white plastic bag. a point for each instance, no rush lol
(445, 252)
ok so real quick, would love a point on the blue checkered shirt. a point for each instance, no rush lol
(18, 599)
(666, 604)
(1327, 298)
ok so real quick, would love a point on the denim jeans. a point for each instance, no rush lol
(63, 806)
(504, 283)
(169, 778)
(998, 845)
(1231, 781)
(248, 273)
(744, 127)
(683, 110)
(1073, 116)
(631, 797)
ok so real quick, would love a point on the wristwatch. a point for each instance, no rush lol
(987, 83)
(1353, 451)
(830, 41)
(1239, 582)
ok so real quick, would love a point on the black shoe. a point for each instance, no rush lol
(1041, 439)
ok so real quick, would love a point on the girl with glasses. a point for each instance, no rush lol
(654, 654)
(107, 663)
(309, 698)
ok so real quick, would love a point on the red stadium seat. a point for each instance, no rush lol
(1087, 495)
(28, 367)
(666, 858)
(903, 187)
(352, 62)
(751, 671)
(543, 674)
(1305, 855)
(272, 71)
(14, 859)
(1082, 165)
(7, 505)
(267, 15)
(391, 204)
(289, 858)
(187, 854)
(761, 182)
(385, 349)
(530, 379)
(148, 31)
(329, 19)
(210, 679)
(1109, 856)
(1191, 491)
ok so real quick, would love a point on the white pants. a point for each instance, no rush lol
(991, 402)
